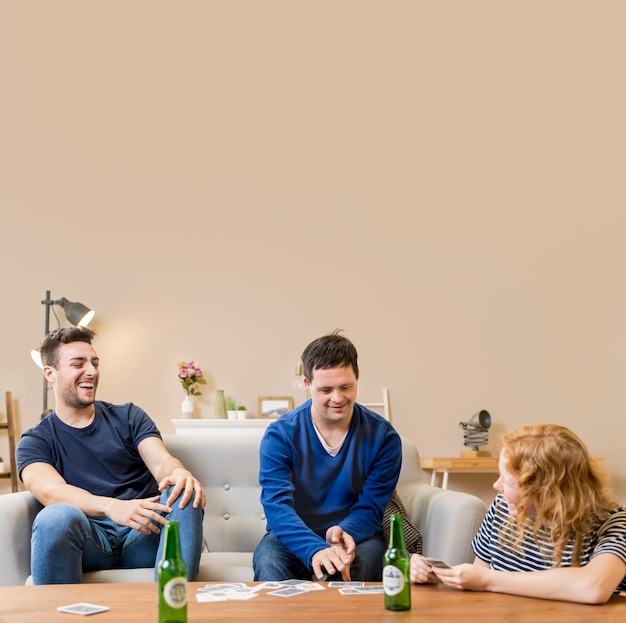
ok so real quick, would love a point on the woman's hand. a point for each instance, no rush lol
(420, 571)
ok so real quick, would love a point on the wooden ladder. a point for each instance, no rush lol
(9, 425)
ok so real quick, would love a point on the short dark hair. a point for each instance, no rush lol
(66, 335)
(329, 351)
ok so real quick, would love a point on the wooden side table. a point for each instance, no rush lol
(448, 465)
(469, 465)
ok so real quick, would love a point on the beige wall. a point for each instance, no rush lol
(225, 181)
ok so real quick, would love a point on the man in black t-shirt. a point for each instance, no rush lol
(103, 474)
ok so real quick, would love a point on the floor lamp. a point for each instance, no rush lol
(77, 314)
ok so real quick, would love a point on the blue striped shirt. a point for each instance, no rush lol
(495, 543)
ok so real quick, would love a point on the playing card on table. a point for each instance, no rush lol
(215, 588)
(362, 590)
(288, 591)
(344, 584)
(265, 586)
(312, 586)
(207, 597)
(222, 592)
(82, 608)
(240, 593)
(378, 588)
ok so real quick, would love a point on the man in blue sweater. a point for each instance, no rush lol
(328, 469)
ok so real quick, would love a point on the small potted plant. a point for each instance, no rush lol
(231, 409)
(242, 412)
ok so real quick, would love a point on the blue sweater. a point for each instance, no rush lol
(305, 490)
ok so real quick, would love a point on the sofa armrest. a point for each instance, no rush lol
(448, 521)
(17, 512)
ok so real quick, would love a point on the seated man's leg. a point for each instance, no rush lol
(190, 532)
(64, 539)
(139, 550)
(273, 562)
(367, 565)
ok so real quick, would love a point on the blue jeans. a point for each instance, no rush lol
(273, 562)
(65, 542)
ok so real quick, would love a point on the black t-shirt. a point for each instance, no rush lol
(101, 458)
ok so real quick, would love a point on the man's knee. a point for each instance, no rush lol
(56, 515)
(368, 563)
(260, 556)
(188, 508)
(272, 561)
(58, 528)
(189, 515)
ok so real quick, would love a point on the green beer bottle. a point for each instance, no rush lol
(396, 583)
(172, 578)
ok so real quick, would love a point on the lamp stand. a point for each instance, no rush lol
(48, 302)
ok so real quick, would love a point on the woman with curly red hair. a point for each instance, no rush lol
(553, 520)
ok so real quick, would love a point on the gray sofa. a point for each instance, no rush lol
(227, 466)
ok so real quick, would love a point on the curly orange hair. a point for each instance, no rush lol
(557, 476)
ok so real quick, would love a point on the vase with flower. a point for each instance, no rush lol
(190, 375)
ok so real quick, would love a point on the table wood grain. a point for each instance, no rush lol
(133, 603)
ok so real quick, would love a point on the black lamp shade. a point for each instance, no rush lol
(482, 419)
(77, 313)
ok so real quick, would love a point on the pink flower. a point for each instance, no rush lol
(189, 375)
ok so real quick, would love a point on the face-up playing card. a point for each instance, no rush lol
(215, 588)
(312, 586)
(207, 597)
(378, 588)
(362, 590)
(83, 608)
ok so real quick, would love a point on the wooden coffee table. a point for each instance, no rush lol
(131, 603)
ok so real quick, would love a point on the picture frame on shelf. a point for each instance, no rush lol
(272, 407)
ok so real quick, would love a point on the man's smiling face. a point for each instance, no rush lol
(76, 376)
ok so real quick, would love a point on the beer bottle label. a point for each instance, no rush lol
(393, 580)
(175, 592)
